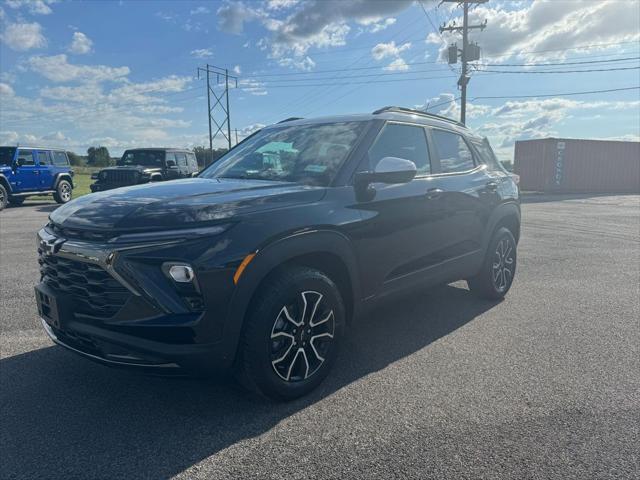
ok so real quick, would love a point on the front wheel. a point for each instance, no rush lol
(292, 334)
(495, 277)
(63, 192)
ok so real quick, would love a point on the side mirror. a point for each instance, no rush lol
(388, 170)
(21, 162)
(171, 164)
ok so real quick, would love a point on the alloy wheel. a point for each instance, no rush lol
(503, 266)
(65, 192)
(301, 336)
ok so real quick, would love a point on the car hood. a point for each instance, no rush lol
(180, 203)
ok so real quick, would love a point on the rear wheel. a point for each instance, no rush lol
(63, 192)
(494, 279)
(16, 201)
(292, 334)
(3, 197)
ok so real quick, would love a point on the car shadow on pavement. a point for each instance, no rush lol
(64, 417)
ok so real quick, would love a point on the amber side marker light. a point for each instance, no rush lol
(241, 267)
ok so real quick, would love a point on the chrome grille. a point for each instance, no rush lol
(92, 290)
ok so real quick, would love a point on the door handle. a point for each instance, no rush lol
(434, 193)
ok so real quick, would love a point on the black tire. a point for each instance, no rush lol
(64, 191)
(16, 201)
(285, 353)
(4, 197)
(495, 278)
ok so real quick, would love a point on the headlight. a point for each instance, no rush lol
(168, 235)
(94, 176)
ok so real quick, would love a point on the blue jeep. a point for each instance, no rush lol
(27, 171)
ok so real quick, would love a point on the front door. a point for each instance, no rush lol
(396, 241)
(27, 175)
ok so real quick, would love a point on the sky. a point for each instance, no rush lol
(123, 74)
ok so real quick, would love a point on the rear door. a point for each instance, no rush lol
(45, 170)
(465, 183)
(26, 173)
(183, 166)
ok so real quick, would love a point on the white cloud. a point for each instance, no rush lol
(6, 90)
(202, 53)
(384, 50)
(249, 129)
(301, 63)
(376, 27)
(200, 11)
(58, 69)
(23, 36)
(237, 70)
(281, 4)
(252, 87)
(81, 44)
(37, 7)
(397, 65)
(544, 25)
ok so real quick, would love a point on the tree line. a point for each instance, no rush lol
(100, 157)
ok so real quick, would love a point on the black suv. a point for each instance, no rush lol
(260, 262)
(143, 165)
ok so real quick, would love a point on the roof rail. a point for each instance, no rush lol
(417, 112)
(290, 119)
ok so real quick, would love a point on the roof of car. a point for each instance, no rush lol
(160, 149)
(386, 113)
(39, 147)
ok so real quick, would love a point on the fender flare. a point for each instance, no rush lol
(273, 255)
(501, 212)
(62, 176)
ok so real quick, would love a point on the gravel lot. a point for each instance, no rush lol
(543, 385)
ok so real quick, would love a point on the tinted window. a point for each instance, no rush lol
(486, 154)
(308, 154)
(403, 141)
(25, 157)
(60, 159)
(145, 158)
(6, 155)
(182, 159)
(453, 152)
(43, 158)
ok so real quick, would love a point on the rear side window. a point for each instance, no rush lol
(486, 154)
(182, 159)
(43, 158)
(60, 159)
(403, 141)
(193, 163)
(25, 157)
(453, 152)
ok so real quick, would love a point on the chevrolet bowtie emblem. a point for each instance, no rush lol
(52, 246)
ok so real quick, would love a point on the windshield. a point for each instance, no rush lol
(146, 158)
(309, 154)
(6, 155)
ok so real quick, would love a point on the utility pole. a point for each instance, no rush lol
(219, 112)
(236, 136)
(468, 52)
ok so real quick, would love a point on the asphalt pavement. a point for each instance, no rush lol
(545, 384)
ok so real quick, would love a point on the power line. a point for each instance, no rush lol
(558, 63)
(543, 95)
(534, 72)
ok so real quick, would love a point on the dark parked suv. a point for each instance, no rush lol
(143, 165)
(261, 262)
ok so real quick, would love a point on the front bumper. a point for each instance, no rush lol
(153, 328)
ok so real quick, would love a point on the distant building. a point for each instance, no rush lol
(578, 166)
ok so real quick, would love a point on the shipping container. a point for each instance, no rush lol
(565, 165)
